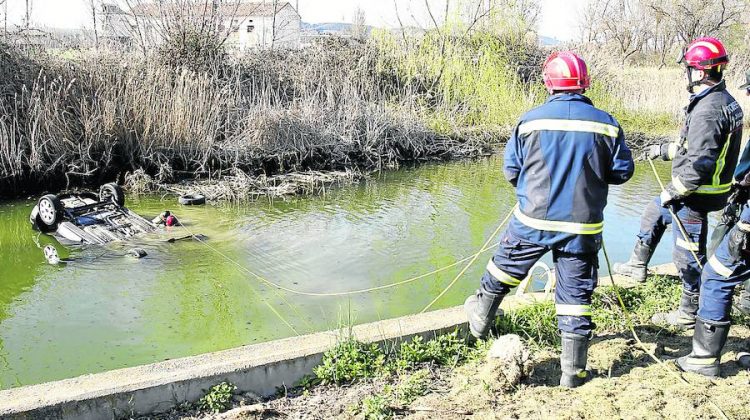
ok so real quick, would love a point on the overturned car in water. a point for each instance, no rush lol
(88, 218)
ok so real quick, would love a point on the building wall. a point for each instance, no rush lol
(250, 32)
(256, 32)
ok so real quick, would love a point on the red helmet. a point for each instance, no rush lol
(565, 71)
(705, 53)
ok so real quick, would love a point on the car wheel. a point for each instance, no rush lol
(49, 211)
(192, 200)
(112, 192)
(137, 253)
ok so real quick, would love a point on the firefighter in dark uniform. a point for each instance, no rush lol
(728, 267)
(704, 160)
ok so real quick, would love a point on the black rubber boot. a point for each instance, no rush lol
(684, 316)
(575, 351)
(744, 303)
(637, 267)
(481, 310)
(708, 340)
(743, 359)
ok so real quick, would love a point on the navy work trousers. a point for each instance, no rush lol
(726, 269)
(576, 278)
(654, 222)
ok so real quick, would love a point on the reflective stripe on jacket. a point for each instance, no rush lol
(562, 158)
(705, 157)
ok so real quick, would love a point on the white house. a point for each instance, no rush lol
(258, 25)
(247, 25)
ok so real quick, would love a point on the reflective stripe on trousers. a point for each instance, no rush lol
(720, 268)
(501, 276)
(573, 310)
(720, 277)
(576, 278)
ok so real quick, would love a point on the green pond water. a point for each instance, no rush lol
(102, 311)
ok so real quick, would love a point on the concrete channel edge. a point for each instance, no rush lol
(259, 368)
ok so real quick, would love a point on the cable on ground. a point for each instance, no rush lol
(631, 327)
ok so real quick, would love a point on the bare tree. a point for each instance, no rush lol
(184, 22)
(519, 16)
(624, 24)
(29, 9)
(664, 37)
(655, 27)
(283, 22)
(400, 22)
(588, 23)
(93, 6)
(359, 24)
(4, 4)
(530, 10)
(694, 18)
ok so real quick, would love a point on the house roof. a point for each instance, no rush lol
(203, 8)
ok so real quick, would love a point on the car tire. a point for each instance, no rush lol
(137, 253)
(49, 212)
(192, 200)
(112, 192)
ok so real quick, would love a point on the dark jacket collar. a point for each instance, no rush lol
(568, 97)
(721, 86)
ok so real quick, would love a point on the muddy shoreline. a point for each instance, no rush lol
(237, 185)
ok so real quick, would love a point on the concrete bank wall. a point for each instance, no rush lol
(259, 368)
(157, 387)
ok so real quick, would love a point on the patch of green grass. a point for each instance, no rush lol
(658, 294)
(412, 387)
(218, 398)
(537, 323)
(406, 391)
(351, 360)
(632, 118)
(376, 407)
(447, 349)
(308, 381)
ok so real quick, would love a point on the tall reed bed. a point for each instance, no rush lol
(101, 115)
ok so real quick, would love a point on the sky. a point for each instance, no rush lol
(558, 20)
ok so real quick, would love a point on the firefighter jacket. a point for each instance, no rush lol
(705, 156)
(561, 158)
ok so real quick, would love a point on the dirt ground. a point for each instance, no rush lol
(628, 384)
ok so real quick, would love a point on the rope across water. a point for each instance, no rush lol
(471, 260)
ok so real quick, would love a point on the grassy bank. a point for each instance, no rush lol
(446, 378)
(88, 117)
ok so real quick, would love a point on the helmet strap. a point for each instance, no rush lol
(692, 84)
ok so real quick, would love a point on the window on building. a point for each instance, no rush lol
(250, 28)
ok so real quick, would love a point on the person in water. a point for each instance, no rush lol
(166, 218)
